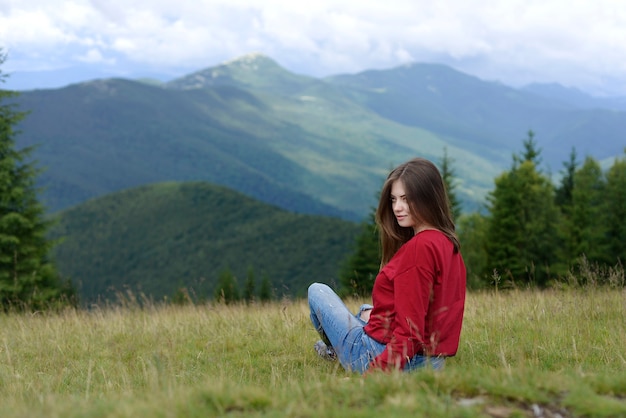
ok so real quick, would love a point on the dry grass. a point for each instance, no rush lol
(559, 351)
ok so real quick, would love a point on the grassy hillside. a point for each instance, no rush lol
(522, 354)
(158, 238)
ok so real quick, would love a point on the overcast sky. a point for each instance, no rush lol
(578, 43)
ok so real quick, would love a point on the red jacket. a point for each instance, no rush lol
(418, 298)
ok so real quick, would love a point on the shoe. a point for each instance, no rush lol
(324, 351)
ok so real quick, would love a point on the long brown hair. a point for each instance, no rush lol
(428, 204)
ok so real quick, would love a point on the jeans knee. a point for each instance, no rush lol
(316, 288)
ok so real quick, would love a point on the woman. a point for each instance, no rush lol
(419, 293)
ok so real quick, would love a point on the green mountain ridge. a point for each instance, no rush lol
(114, 134)
(318, 146)
(158, 238)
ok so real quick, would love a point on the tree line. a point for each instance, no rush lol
(227, 290)
(533, 232)
(540, 233)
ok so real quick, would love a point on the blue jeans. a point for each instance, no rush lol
(343, 331)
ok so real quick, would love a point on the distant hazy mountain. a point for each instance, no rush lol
(485, 117)
(573, 96)
(59, 78)
(156, 239)
(319, 146)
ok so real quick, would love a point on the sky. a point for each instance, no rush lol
(576, 43)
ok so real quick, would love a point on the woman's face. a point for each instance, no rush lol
(400, 206)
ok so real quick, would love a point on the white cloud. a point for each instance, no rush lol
(94, 56)
(575, 42)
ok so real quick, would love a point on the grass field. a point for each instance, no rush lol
(523, 353)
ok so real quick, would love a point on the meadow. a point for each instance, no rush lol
(523, 353)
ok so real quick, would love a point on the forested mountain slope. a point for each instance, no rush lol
(156, 239)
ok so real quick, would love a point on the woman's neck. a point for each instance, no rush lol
(423, 227)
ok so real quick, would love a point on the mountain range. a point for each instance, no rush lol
(247, 167)
(308, 145)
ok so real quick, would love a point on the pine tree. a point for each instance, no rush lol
(28, 279)
(521, 236)
(181, 297)
(249, 288)
(448, 174)
(585, 225)
(615, 208)
(472, 230)
(564, 192)
(359, 271)
(265, 292)
(531, 152)
(227, 290)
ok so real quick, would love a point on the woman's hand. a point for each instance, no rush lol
(365, 315)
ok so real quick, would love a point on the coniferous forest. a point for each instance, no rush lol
(532, 232)
(539, 233)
